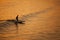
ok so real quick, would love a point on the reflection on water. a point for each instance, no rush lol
(37, 28)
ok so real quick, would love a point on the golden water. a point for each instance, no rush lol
(45, 26)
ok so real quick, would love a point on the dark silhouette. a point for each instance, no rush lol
(18, 22)
(10, 22)
(17, 18)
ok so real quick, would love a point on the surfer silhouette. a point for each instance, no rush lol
(17, 18)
